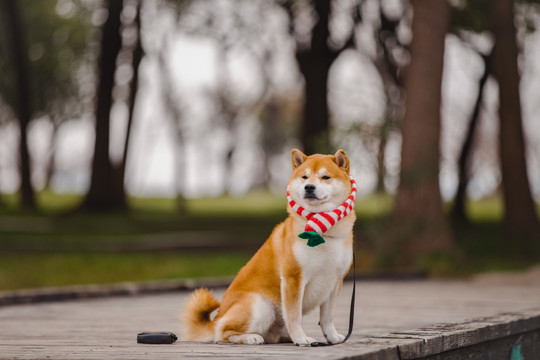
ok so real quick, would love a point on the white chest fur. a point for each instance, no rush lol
(322, 268)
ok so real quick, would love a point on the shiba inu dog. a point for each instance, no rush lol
(288, 277)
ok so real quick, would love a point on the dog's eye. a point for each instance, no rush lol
(304, 177)
(326, 177)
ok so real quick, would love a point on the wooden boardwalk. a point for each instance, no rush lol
(394, 320)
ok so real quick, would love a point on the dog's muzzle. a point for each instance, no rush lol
(309, 192)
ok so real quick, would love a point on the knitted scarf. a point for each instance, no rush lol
(321, 222)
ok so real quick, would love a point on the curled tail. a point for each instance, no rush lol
(196, 317)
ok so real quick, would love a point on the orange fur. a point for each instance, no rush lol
(285, 278)
(197, 313)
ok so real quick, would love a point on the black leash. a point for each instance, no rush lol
(351, 314)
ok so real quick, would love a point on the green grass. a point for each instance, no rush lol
(32, 270)
(488, 209)
(374, 206)
(55, 247)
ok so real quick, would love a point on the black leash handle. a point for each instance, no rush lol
(351, 314)
(156, 337)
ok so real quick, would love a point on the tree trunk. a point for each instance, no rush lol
(137, 56)
(175, 109)
(102, 194)
(51, 161)
(314, 62)
(228, 114)
(520, 216)
(381, 151)
(315, 65)
(22, 105)
(458, 209)
(418, 212)
(271, 140)
(315, 135)
(389, 72)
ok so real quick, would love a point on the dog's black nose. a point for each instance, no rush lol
(310, 188)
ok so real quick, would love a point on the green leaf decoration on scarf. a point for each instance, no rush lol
(313, 238)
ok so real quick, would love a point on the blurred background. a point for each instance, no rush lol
(144, 140)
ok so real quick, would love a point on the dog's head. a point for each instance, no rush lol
(320, 183)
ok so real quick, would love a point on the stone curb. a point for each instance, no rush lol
(78, 292)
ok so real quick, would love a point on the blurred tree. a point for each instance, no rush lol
(520, 216)
(316, 51)
(104, 185)
(270, 109)
(479, 16)
(63, 68)
(121, 45)
(137, 54)
(419, 218)
(5, 118)
(470, 16)
(239, 31)
(208, 20)
(271, 138)
(55, 45)
(21, 98)
(458, 208)
(227, 108)
(175, 106)
(390, 61)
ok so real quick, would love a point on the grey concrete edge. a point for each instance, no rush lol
(78, 292)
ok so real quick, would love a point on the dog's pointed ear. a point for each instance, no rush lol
(298, 158)
(341, 159)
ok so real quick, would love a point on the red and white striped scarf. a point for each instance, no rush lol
(321, 222)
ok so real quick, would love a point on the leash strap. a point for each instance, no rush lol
(351, 313)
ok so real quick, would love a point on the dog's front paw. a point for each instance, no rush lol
(304, 341)
(335, 338)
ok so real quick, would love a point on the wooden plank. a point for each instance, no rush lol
(526, 344)
(393, 320)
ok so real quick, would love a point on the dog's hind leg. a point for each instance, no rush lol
(248, 339)
(247, 322)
